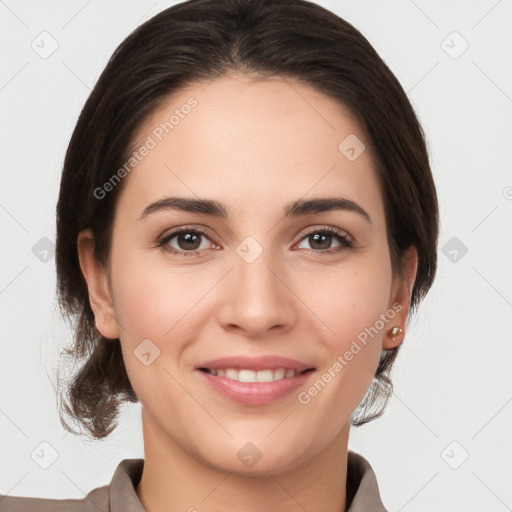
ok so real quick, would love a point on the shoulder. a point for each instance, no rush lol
(118, 496)
(362, 488)
(97, 500)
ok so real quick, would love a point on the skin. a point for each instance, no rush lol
(254, 146)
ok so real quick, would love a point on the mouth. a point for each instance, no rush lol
(255, 380)
(247, 375)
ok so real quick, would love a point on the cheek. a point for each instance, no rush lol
(354, 300)
(151, 298)
(353, 306)
(351, 299)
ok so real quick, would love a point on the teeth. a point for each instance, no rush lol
(279, 374)
(264, 376)
(232, 374)
(247, 376)
(253, 376)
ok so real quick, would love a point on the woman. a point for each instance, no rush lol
(246, 220)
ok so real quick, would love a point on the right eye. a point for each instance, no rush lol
(187, 240)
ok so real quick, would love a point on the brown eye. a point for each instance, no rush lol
(185, 242)
(188, 241)
(322, 239)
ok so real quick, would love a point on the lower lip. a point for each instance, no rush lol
(255, 393)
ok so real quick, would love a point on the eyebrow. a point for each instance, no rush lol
(295, 209)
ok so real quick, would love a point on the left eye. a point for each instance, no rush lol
(189, 241)
(324, 238)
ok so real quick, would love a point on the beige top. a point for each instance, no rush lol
(120, 496)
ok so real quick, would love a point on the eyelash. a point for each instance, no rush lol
(346, 243)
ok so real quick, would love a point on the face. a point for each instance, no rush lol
(206, 301)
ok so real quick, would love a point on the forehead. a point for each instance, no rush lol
(251, 143)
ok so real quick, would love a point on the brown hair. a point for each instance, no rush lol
(201, 40)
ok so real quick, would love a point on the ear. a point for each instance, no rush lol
(400, 298)
(100, 295)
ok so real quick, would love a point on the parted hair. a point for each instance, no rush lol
(199, 40)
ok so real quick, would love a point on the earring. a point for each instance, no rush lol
(393, 332)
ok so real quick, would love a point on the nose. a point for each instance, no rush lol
(257, 298)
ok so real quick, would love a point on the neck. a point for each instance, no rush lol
(176, 481)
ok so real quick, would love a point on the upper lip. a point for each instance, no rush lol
(269, 362)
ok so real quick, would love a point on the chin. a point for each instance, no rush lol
(255, 458)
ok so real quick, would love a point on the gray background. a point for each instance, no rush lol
(453, 393)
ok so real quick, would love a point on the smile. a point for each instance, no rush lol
(245, 375)
(255, 381)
